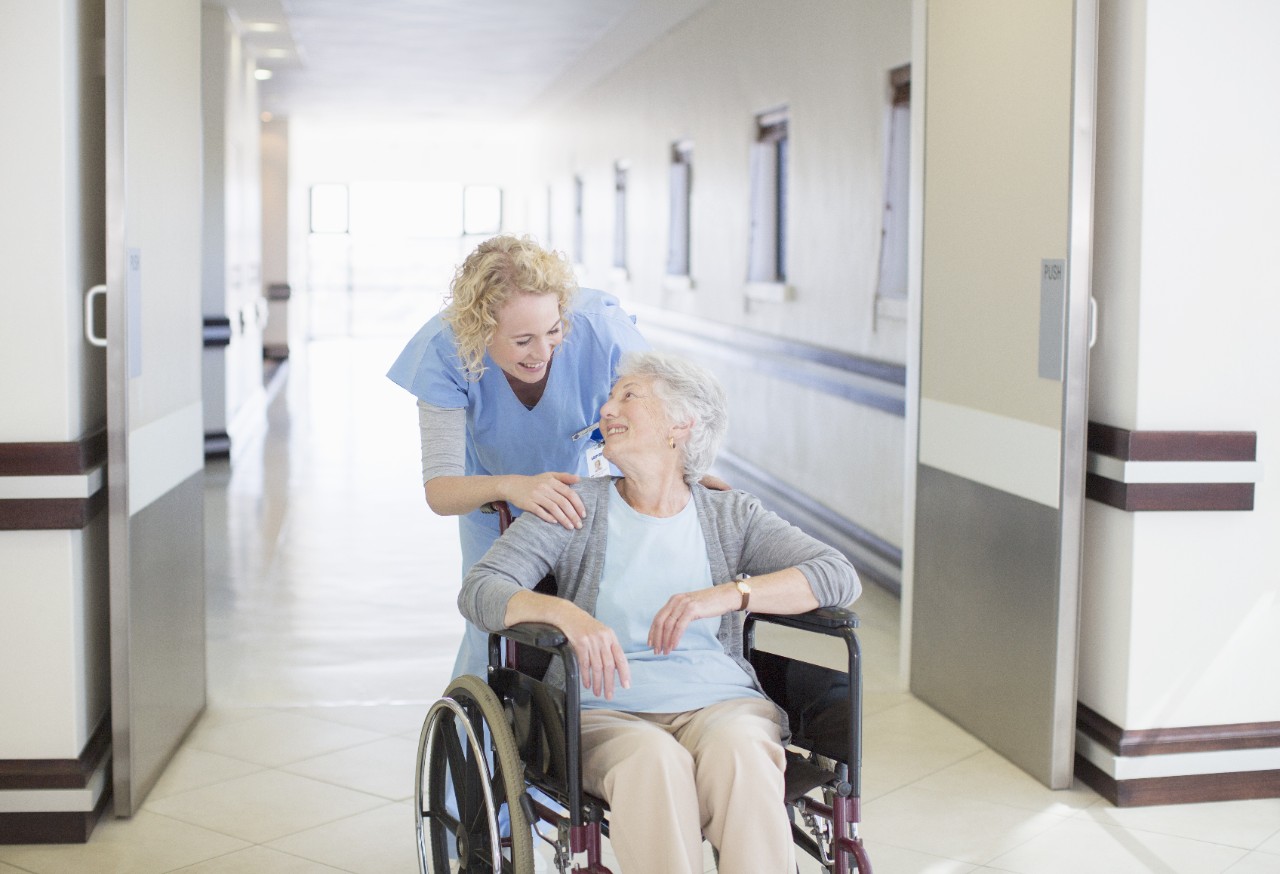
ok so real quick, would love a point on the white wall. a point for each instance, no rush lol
(705, 81)
(53, 629)
(232, 260)
(1181, 609)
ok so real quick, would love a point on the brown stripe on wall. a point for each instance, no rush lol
(1172, 445)
(1188, 739)
(1195, 446)
(50, 514)
(61, 827)
(1180, 789)
(54, 459)
(1168, 496)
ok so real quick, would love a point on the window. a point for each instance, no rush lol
(330, 209)
(680, 177)
(768, 255)
(620, 215)
(481, 209)
(892, 282)
(577, 220)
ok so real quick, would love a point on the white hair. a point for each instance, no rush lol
(688, 393)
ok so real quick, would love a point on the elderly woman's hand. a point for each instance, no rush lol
(680, 610)
(600, 655)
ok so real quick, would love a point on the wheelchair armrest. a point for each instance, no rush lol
(535, 634)
(824, 620)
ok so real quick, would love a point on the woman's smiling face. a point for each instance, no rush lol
(528, 332)
(634, 419)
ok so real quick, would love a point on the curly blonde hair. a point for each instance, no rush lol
(500, 268)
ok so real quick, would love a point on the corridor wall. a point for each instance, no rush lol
(54, 682)
(1181, 590)
(233, 301)
(815, 375)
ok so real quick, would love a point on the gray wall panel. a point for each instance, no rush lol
(986, 596)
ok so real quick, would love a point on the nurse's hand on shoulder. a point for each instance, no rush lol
(548, 497)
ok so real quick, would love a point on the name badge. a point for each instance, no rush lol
(596, 463)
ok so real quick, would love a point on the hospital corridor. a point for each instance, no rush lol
(966, 303)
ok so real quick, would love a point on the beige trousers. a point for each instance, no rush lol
(670, 778)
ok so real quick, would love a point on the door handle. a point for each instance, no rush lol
(94, 339)
(1093, 321)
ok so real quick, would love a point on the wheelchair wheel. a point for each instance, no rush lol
(460, 799)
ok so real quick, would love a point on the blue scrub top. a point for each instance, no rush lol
(503, 436)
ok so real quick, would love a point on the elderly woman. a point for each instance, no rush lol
(676, 733)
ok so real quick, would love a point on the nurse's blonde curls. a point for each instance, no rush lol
(498, 269)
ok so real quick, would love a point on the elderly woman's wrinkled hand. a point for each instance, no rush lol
(600, 655)
(680, 610)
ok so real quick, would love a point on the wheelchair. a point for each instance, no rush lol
(499, 759)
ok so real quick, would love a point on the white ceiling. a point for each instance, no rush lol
(456, 60)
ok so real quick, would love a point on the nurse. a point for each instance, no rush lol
(510, 378)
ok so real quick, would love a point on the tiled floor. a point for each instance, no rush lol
(332, 626)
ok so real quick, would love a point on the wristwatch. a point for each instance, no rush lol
(745, 588)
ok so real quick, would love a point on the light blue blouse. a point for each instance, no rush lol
(647, 561)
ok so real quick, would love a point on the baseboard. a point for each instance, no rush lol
(82, 781)
(1186, 789)
(51, 828)
(1104, 750)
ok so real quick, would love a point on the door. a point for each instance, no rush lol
(1007, 182)
(155, 433)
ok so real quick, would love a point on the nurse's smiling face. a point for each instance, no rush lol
(528, 332)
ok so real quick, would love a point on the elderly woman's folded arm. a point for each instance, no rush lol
(515, 563)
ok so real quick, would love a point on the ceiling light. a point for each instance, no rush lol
(262, 27)
(261, 75)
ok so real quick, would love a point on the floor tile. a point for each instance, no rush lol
(191, 768)
(265, 806)
(895, 860)
(950, 826)
(384, 768)
(147, 843)
(1271, 844)
(990, 777)
(259, 860)
(373, 842)
(391, 719)
(278, 738)
(905, 743)
(1256, 863)
(1084, 845)
(1245, 824)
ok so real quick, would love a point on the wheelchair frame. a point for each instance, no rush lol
(511, 732)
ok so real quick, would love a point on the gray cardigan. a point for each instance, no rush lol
(742, 538)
